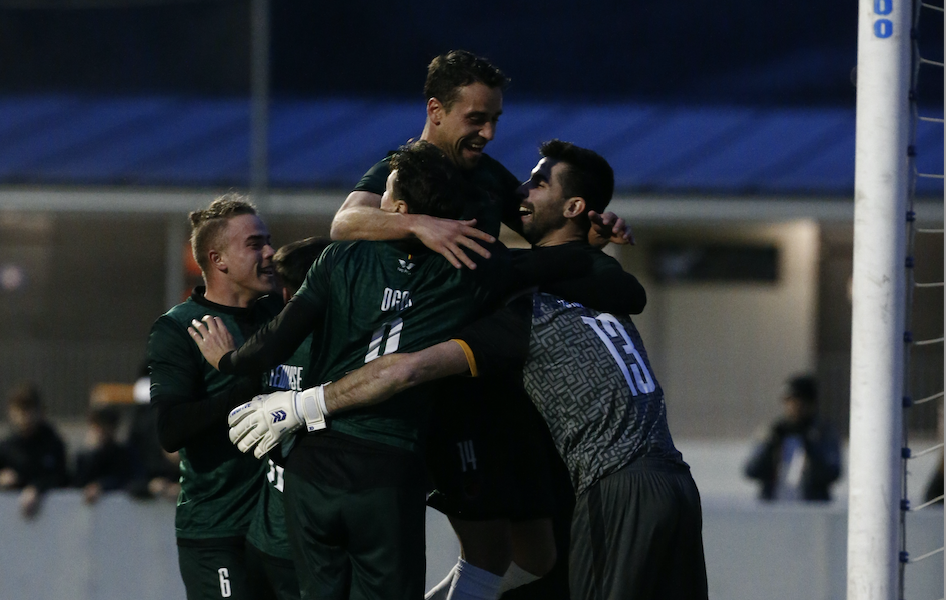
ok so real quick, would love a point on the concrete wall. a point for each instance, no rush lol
(722, 350)
(121, 549)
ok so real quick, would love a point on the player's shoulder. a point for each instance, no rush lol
(269, 305)
(492, 165)
(180, 315)
(490, 168)
(375, 178)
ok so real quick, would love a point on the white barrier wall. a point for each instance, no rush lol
(121, 549)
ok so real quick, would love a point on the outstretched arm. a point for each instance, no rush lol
(361, 218)
(393, 373)
(268, 347)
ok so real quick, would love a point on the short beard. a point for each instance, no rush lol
(536, 231)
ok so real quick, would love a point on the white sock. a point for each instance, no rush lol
(516, 576)
(474, 583)
(442, 589)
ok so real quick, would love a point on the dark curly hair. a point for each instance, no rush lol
(428, 182)
(293, 260)
(449, 72)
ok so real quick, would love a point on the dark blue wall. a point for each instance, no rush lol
(776, 52)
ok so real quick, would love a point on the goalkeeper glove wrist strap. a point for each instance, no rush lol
(312, 404)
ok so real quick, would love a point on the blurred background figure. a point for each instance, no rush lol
(104, 465)
(159, 472)
(33, 456)
(800, 455)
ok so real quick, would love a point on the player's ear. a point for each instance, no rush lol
(435, 111)
(574, 207)
(217, 260)
(401, 207)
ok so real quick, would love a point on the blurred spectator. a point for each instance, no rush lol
(159, 474)
(33, 457)
(104, 465)
(800, 456)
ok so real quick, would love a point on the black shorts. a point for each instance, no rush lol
(213, 569)
(274, 577)
(637, 533)
(489, 453)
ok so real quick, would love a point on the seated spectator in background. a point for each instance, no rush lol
(159, 471)
(33, 457)
(800, 456)
(104, 465)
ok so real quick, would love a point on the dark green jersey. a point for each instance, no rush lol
(496, 202)
(219, 484)
(268, 528)
(378, 298)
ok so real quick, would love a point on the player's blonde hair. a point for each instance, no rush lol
(207, 224)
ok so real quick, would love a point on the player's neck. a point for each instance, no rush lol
(561, 236)
(225, 293)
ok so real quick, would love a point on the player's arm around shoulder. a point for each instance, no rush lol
(361, 218)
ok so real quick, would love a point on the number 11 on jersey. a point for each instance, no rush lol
(385, 339)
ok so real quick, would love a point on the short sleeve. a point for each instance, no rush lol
(376, 178)
(315, 289)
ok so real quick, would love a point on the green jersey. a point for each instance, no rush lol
(382, 297)
(219, 484)
(496, 201)
(268, 528)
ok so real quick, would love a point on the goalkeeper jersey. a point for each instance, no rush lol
(588, 374)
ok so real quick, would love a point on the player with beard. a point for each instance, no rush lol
(637, 527)
(475, 482)
(355, 493)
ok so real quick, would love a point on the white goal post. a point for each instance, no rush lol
(881, 186)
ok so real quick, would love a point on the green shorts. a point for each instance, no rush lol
(355, 514)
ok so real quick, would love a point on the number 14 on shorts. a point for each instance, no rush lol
(467, 455)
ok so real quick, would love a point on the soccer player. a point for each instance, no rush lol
(464, 103)
(355, 493)
(267, 541)
(636, 531)
(219, 485)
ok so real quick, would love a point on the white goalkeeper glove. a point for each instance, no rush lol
(268, 419)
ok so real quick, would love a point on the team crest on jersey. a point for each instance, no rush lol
(405, 266)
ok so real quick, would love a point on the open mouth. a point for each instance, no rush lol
(525, 211)
(475, 147)
(267, 271)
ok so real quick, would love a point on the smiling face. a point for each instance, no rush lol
(542, 210)
(247, 254)
(463, 131)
